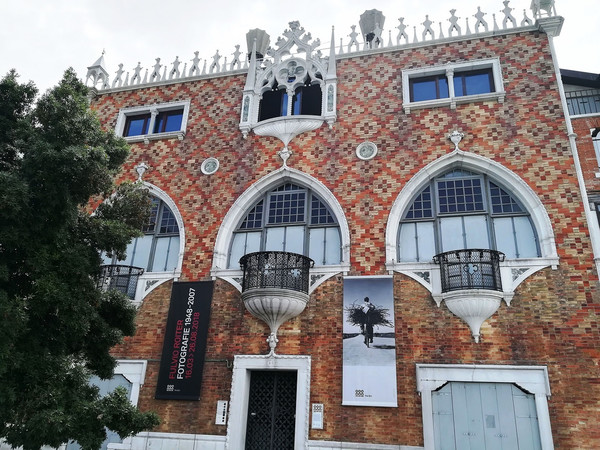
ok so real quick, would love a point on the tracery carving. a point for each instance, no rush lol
(294, 63)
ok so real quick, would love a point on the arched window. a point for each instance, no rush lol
(158, 249)
(288, 218)
(465, 210)
(307, 100)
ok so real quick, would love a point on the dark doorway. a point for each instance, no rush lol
(271, 410)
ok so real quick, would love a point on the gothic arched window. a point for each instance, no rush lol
(158, 249)
(288, 218)
(465, 210)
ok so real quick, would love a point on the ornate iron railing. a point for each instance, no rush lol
(586, 101)
(470, 269)
(276, 270)
(122, 278)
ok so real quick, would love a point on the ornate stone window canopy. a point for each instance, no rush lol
(292, 89)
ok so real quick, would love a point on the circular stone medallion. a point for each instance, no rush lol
(209, 166)
(366, 150)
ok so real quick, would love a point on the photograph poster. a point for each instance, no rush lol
(369, 367)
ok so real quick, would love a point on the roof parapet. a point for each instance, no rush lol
(544, 13)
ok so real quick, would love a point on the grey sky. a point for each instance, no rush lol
(41, 38)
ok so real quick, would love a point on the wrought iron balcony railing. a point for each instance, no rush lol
(586, 101)
(276, 270)
(122, 278)
(470, 269)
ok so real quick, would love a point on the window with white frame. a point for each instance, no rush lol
(465, 210)
(452, 84)
(484, 407)
(158, 249)
(128, 374)
(153, 121)
(288, 218)
(595, 132)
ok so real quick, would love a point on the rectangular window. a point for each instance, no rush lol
(287, 207)
(153, 121)
(583, 101)
(428, 88)
(473, 82)
(136, 125)
(452, 84)
(460, 196)
(168, 121)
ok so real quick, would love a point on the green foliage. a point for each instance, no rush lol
(56, 326)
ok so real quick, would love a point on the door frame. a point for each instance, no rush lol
(240, 389)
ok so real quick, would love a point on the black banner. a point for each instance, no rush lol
(182, 361)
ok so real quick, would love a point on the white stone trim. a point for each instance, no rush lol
(142, 290)
(450, 69)
(476, 163)
(159, 107)
(240, 388)
(368, 145)
(512, 271)
(252, 195)
(135, 372)
(533, 379)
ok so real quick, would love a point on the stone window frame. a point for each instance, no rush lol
(532, 379)
(449, 70)
(154, 110)
(249, 197)
(513, 271)
(485, 184)
(149, 281)
(269, 221)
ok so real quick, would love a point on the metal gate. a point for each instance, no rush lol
(271, 410)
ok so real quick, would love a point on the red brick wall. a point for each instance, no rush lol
(553, 319)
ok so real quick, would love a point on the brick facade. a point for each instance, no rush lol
(552, 320)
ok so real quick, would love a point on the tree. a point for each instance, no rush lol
(56, 325)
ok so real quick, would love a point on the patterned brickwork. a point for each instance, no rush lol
(553, 319)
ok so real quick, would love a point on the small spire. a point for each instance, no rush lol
(251, 79)
(97, 72)
(331, 69)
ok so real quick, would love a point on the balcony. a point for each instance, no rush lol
(585, 101)
(121, 278)
(470, 269)
(275, 287)
(471, 284)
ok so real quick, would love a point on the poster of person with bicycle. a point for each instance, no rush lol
(369, 364)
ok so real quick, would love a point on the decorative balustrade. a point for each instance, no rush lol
(121, 278)
(470, 269)
(585, 101)
(218, 64)
(281, 270)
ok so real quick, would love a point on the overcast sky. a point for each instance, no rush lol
(41, 38)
